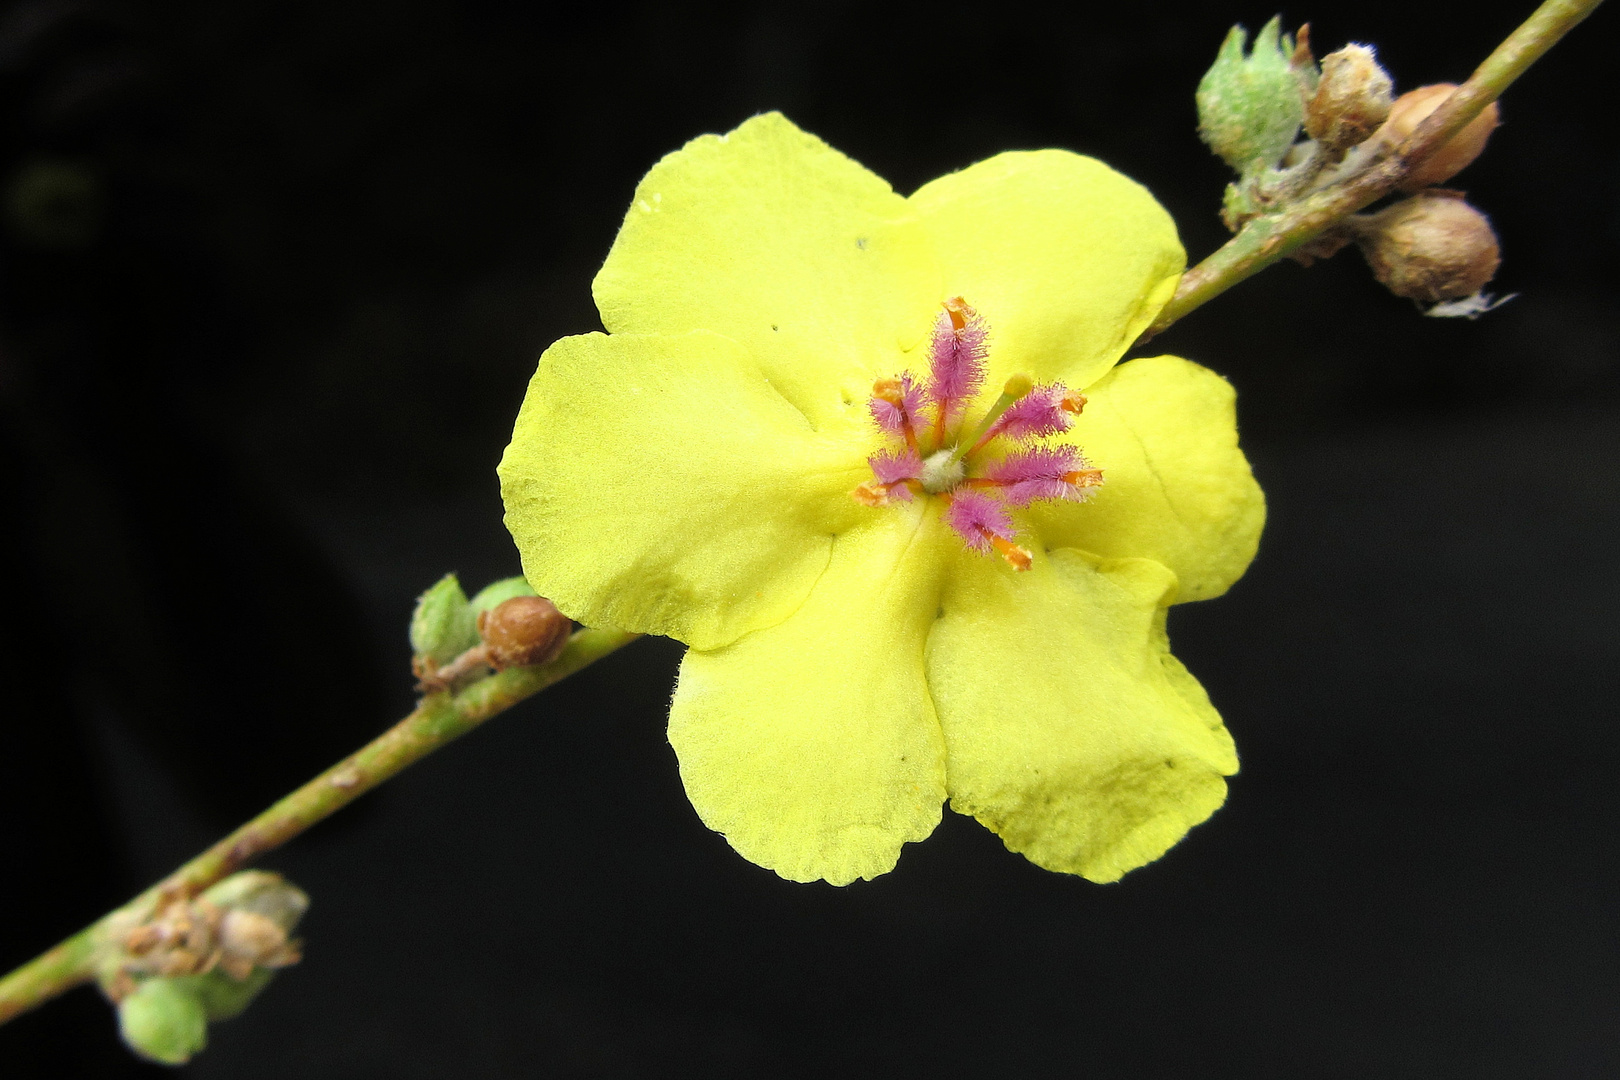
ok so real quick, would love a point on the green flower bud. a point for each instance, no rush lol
(164, 1020)
(444, 623)
(1251, 103)
(222, 996)
(493, 596)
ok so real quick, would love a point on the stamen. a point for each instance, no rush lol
(1019, 557)
(897, 473)
(873, 493)
(984, 526)
(1043, 411)
(889, 390)
(894, 466)
(956, 362)
(1043, 472)
(977, 518)
(1037, 412)
(895, 404)
(937, 461)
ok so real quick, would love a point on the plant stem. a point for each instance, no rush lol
(440, 718)
(436, 720)
(1267, 238)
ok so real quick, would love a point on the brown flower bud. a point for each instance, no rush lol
(1352, 99)
(1431, 247)
(247, 940)
(523, 630)
(1411, 109)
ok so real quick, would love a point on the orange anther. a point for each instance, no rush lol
(959, 311)
(871, 493)
(1018, 557)
(1073, 401)
(1083, 477)
(889, 390)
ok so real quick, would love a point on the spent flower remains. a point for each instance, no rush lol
(875, 461)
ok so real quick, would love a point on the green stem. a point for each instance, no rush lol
(436, 720)
(1270, 237)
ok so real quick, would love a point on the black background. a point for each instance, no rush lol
(274, 277)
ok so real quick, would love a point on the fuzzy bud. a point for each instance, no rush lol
(522, 631)
(163, 1020)
(172, 970)
(1411, 109)
(442, 625)
(248, 940)
(1251, 102)
(1431, 247)
(224, 996)
(261, 893)
(1352, 100)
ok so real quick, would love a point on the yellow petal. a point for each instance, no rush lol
(1176, 488)
(661, 484)
(1069, 728)
(773, 238)
(813, 745)
(1067, 260)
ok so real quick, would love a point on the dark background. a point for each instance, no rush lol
(273, 278)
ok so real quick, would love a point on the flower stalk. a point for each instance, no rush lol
(1269, 237)
(437, 719)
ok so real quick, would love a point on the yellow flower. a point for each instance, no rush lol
(854, 662)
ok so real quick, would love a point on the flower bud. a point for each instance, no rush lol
(171, 970)
(1352, 99)
(262, 893)
(164, 1020)
(442, 625)
(523, 630)
(223, 996)
(1411, 109)
(1431, 247)
(248, 940)
(1250, 103)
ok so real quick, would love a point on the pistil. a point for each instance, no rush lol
(941, 471)
(1014, 389)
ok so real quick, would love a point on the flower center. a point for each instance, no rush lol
(980, 478)
(941, 471)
